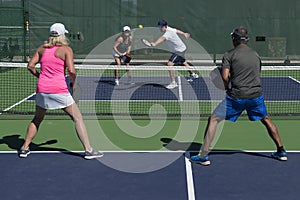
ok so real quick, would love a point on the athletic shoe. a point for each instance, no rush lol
(192, 77)
(280, 155)
(93, 154)
(116, 82)
(172, 86)
(23, 153)
(203, 161)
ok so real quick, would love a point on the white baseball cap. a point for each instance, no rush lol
(58, 29)
(126, 28)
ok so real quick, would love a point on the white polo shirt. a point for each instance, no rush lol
(173, 40)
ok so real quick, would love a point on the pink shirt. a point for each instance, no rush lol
(52, 74)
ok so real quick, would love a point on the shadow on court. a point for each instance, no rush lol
(125, 85)
(195, 147)
(14, 142)
(174, 145)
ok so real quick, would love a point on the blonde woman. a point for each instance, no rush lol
(55, 56)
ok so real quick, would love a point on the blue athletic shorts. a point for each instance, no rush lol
(177, 59)
(231, 109)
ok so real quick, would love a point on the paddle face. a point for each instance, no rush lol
(216, 78)
(146, 42)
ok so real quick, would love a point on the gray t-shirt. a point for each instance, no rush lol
(244, 65)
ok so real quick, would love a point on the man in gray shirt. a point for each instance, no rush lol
(241, 67)
(244, 66)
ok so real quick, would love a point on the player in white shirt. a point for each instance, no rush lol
(176, 46)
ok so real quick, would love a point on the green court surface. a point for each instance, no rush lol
(242, 135)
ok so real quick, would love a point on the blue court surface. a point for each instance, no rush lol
(153, 88)
(232, 175)
(201, 89)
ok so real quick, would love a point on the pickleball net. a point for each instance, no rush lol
(144, 94)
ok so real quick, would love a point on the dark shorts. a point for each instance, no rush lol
(177, 59)
(231, 109)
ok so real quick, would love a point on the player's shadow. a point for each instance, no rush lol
(109, 82)
(125, 85)
(14, 142)
(156, 85)
(194, 148)
(174, 145)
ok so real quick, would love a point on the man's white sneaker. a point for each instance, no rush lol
(192, 77)
(172, 86)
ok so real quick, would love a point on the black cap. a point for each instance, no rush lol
(240, 34)
(162, 23)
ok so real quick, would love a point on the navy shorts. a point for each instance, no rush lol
(231, 109)
(177, 59)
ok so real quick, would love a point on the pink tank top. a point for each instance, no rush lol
(52, 73)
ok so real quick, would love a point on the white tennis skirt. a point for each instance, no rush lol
(53, 101)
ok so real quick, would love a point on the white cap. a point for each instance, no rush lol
(59, 28)
(126, 28)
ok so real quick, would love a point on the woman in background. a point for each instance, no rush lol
(121, 51)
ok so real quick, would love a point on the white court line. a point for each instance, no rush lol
(18, 103)
(180, 89)
(214, 151)
(189, 177)
(294, 79)
(50, 152)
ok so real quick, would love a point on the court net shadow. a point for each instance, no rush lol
(14, 142)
